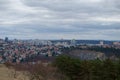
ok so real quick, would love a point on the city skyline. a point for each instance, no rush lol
(56, 19)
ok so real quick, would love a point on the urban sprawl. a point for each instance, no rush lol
(18, 51)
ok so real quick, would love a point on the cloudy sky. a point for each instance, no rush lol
(56, 19)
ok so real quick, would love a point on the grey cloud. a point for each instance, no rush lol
(80, 19)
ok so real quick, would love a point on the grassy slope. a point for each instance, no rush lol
(8, 74)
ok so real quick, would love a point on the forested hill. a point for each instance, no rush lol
(107, 52)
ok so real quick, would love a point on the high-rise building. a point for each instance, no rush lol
(6, 39)
(101, 42)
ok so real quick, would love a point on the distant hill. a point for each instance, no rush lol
(87, 54)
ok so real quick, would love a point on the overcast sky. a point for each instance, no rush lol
(56, 19)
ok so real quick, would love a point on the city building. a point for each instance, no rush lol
(6, 39)
(116, 43)
(101, 43)
(73, 42)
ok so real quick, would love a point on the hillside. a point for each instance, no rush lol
(87, 54)
(10, 74)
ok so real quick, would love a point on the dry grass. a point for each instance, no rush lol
(29, 72)
(11, 74)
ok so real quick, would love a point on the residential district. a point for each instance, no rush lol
(18, 51)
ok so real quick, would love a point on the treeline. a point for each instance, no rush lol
(76, 69)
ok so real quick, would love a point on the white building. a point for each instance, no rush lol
(73, 42)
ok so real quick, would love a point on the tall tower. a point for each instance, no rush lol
(6, 39)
